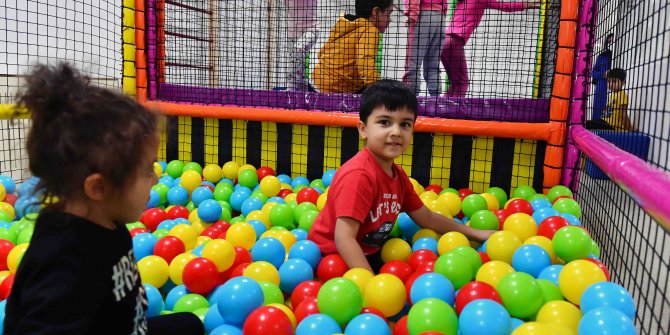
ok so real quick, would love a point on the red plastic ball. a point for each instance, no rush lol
(408, 284)
(221, 225)
(600, 265)
(238, 271)
(307, 194)
(152, 217)
(5, 247)
(331, 266)
(502, 215)
(211, 232)
(397, 268)
(10, 199)
(178, 212)
(425, 267)
(560, 197)
(421, 256)
(484, 256)
(464, 192)
(372, 310)
(137, 231)
(267, 320)
(200, 275)
(283, 193)
(264, 171)
(519, 206)
(207, 186)
(475, 290)
(309, 288)
(435, 188)
(6, 287)
(551, 225)
(169, 247)
(306, 308)
(401, 327)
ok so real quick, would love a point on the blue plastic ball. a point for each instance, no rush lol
(540, 203)
(226, 330)
(432, 285)
(239, 297)
(200, 194)
(8, 183)
(531, 259)
(174, 295)
(300, 234)
(605, 321)
(608, 294)
(284, 179)
(154, 199)
(209, 210)
(318, 324)
(573, 220)
(300, 180)
(407, 226)
(425, 243)
(293, 272)
(327, 177)
(154, 301)
(177, 195)
(269, 249)
(213, 319)
(367, 324)
(143, 245)
(306, 250)
(166, 180)
(237, 198)
(251, 204)
(484, 316)
(258, 226)
(166, 224)
(278, 200)
(551, 273)
(542, 213)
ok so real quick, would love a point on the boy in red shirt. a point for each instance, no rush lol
(370, 190)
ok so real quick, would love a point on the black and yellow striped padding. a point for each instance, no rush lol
(300, 150)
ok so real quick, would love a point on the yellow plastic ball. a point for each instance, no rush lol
(190, 180)
(533, 328)
(286, 238)
(425, 232)
(3, 275)
(492, 272)
(270, 186)
(290, 197)
(321, 201)
(360, 277)
(289, 313)
(501, 246)
(439, 207)
(386, 293)
(242, 235)
(153, 270)
(417, 187)
(285, 186)
(186, 234)
(193, 215)
(221, 252)
(202, 240)
(268, 207)
(199, 226)
(177, 266)
(560, 312)
(158, 170)
(522, 225)
(230, 170)
(452, 201)
(576, 276)
(428, 196)
(543, 243)
(492, 202)
(14, 257)
(262, 271)
(260, 216)
(396, 249)
(212, 173)
(450, 241)
(9, 209)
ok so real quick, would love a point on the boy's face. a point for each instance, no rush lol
(614, 84)
(387, 133)
(381, 18)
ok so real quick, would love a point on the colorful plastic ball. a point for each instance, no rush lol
(550, 225)
(248, 178)
(521, 295)
(6, 286)
(270, 186)
(407, 226)
(540, 214)
(284, 236)
(485, 220)
(8, 184)
(300, 180)
(213, 319)
(421, 256)
(340, 299)
(212, 173)
(331, 266)
(607, 294)
(238, 197)
(530, 259)
(152, 217)
(293, 272)
(307, 194)
(190, 180)
(367, 324)
(540, 203)
(175, 168)
(395, 249)
(153, 270)
(222, 193)
(155, 302)
(143, 245)
(262, 271)
(299, 233)
(250, 204)
(576, 277)
(271, 293)
(318, 324)
(306, 250)
(519, 206)
(305, 289)
(307, 307)
(432, 315)
(558, 190)
(386, 293)
(432, 285)
(209, 211)
(226, 330)
(473, 291)
(522, 225)
(573, 220)
(200, 275)
(177, 265)
(239, 297)
(499, 193)
(550, 291)
(400, 269)
(154, 199)
(567, 205)
(492, 202)
(186, 234)
(501, 246)
(484, 316)
(551, 273)
(560, 312)
(473, 203)
(601, 266)
(230, 170)
(360, 277)
(267, 320)
(533, 328)
(428, 243)
(605, 320)
(282, 215)
(456, 268)
(450, 241)
(471, 255)
(523, 192)
(201, 194)
(571, 243)
(241, 234)
(6, 247)
(168, 248)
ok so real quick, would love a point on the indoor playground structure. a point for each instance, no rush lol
(250, 146)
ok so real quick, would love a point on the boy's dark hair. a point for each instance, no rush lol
(617, 73)
(79, 129)
(391, 94)
(364, 7)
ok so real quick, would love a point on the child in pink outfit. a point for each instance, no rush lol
(467, 16)
(302, 35)
(426, 33)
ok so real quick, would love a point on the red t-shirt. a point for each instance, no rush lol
(362, 191)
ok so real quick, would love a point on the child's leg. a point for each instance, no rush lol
(299, 47)
(176, 323)
(431, 62)
(419, 39)
(453, 59)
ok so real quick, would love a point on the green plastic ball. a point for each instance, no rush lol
(456, 268)
(558, 191)
(571, 243)
(271, 293)
(341, 299)
(450, 190)
(318, 183)
(223, 193)
(473, 203)
(485, 220)
(550, 291)
(248, 178)
(499, 193)
(521, 294)
(567, 205)
(432, 315)
(471, 255)
(25, 235)
(190, 302)
(162, 191)
(160, 233)
(174, 168)
(281, 215)
(239, 218)
(300, 209)
(307, 219)
(192, 166)
(523, 192)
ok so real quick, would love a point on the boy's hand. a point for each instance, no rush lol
(532, 4)
(481, 235)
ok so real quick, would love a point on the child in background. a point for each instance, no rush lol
(347, 60)
(426, 34)
(370, 190)
(302, 35)
(615, 117)
(94, 151)
(467, 16)
(600, 79)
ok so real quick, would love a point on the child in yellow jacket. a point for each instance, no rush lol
(347, 60)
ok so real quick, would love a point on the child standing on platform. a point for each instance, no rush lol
(302, 34)
(93, 150)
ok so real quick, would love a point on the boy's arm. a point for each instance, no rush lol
(346, 230)
(441, 224)
(412, 9)
(366, 51)
(627, 125)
